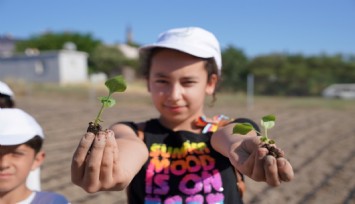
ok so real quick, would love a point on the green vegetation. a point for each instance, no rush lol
(102, 58)
(297, 75)
(55, 41)
(267, 122)
(284, 74)
(115, 84)
(234, 69)
(275, 74)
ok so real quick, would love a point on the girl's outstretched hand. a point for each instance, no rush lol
(97, 168)
(253, 161)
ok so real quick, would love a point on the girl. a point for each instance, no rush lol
(180, 156)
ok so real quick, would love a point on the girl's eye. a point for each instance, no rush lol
(161, 81)
(17, 153)
(188, 83)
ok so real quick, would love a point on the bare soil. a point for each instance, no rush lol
(318, 137)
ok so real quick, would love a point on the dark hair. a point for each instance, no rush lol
(146, 62)
(35, 143)
(6, 101)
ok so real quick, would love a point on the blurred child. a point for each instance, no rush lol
(6, 96)
(21, 140)
(181, 156)
(7, 101)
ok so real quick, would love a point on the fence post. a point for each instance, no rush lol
(250, 91)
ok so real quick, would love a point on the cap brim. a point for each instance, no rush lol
(189, 49)
(15, 139)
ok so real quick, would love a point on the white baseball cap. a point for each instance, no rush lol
(191, 40)
(17, 127)
(5, 89)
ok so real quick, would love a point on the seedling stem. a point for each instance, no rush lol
(115, 84)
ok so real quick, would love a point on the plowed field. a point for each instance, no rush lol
(317, 135)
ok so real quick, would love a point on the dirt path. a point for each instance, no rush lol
(318, 139)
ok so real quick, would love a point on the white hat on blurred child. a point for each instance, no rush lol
(17, 127)
(191, 40)
(5, 89)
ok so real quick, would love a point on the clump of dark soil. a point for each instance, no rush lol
(273, 151)
(94, 128)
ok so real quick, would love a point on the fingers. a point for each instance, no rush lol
(93, 162)
(250, 159)
(79, 157)
(107, 163)
(285, 169)
(271, 171)
(255, 162)
(258, 168)
(277, 170)
(115, 170)
(95, 170)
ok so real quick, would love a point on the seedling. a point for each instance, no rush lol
(267, 122)
(115, 84)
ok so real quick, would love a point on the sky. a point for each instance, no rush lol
(257, 27)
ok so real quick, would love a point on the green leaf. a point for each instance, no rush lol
(242, 128)
(268, 121)
(263, 139)
(116, 84)
(107, 101)
(272, 142)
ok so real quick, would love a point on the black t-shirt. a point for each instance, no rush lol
(182, 168)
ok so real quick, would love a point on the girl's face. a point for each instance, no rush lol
(178, 85)
(15, 164)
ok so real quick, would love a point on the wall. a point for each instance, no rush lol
(73, 66)
(60, 67)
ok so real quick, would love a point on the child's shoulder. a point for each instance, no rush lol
(49, 197)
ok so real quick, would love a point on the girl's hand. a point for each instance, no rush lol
(252, 160)
(97, 168)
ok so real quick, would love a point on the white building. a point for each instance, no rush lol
(60, 67)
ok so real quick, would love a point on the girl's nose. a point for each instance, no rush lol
(3, 162)
(175, 92)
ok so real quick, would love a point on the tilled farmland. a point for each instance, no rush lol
(318, 137)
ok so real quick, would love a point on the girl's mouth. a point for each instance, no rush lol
(175, 108)
(5, 175)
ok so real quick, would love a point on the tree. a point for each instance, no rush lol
(266, 69)
(297, 75)
(234, 70)
(55, 41)
(109, 60)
